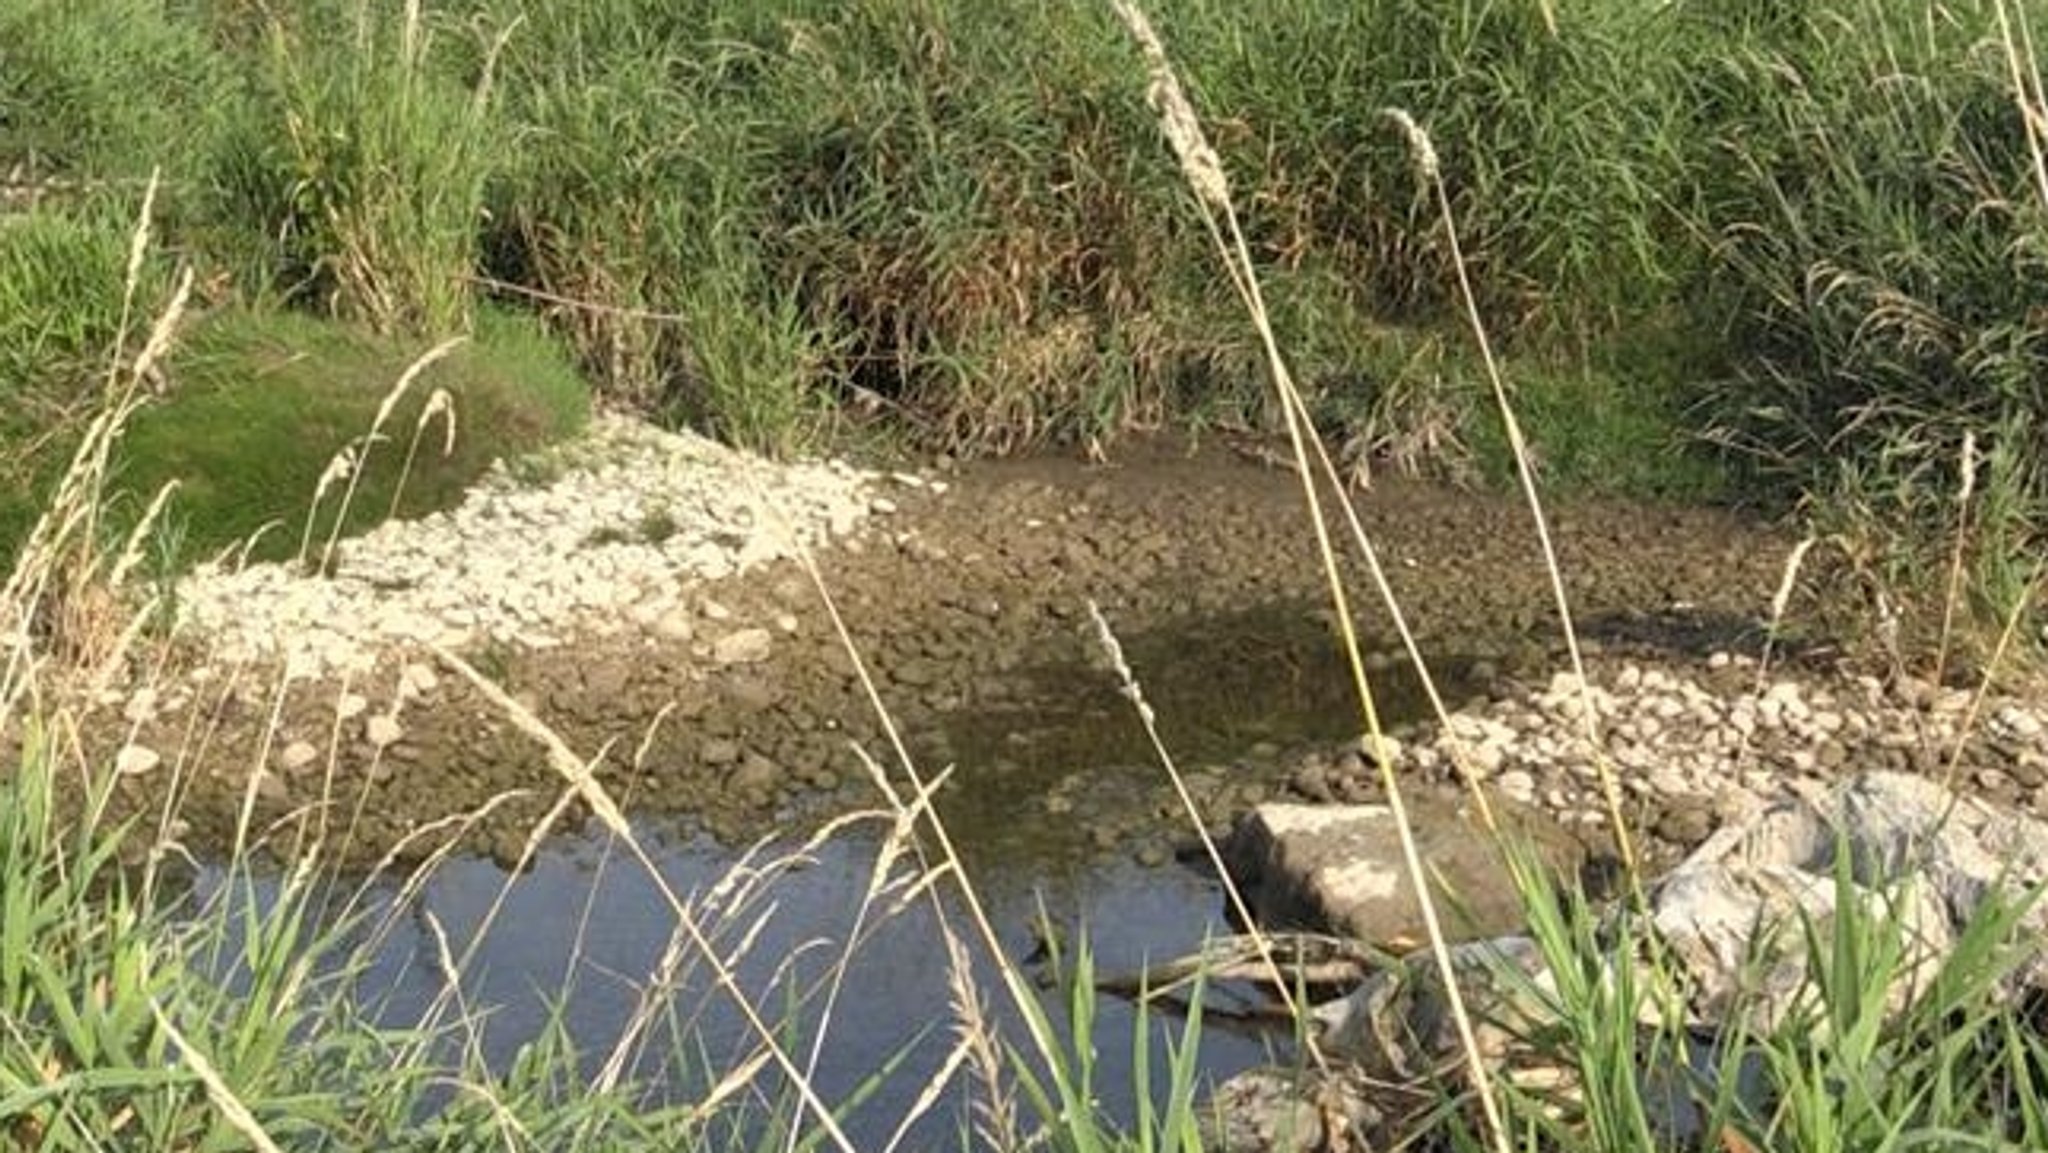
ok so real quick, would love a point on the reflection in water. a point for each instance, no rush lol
(589, 930)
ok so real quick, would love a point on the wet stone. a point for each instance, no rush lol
(757, 774)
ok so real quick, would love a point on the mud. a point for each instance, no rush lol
(969, 611)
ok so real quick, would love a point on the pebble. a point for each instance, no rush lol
(676, 625)
(757, 773)
(296, 756)
(418, 680)
(1676, 741)
(135, 760)
(1517, 785)
(383, 730)
(748, 646)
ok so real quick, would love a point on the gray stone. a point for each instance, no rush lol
(1280, 1110)
(745, 647)
(1398, 1025)
(916, 673)
(757, 773)
(1340, 869)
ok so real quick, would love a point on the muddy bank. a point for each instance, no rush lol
(968, 608)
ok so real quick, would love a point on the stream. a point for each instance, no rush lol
(1056, 803)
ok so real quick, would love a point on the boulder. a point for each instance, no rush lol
(1338, 869)
(1918, 855)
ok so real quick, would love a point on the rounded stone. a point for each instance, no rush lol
(757, 774)
(383, 730)
(297, 756)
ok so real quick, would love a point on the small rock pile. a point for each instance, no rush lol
(635, 517)
(1693, 756)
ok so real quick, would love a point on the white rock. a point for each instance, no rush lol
(1517, 785)
(419, 679)
(676, 625)
(296, 755)
(2017, 723)
(745, 647)
(383, 730)
(521, 555)
(135, 760)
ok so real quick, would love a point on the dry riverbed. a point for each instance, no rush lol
(640, 593)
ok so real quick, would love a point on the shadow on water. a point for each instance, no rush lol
(1055, 768)
(1053, 777)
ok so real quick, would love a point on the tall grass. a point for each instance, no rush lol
(1843, 1069)
(360, 162)
(761, 218)
(94, 94)
(1874, 190)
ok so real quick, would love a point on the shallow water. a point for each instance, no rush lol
(587, 929)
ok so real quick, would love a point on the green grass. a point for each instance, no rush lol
(106, 89)
(61, 303)
(259, 403)
(262, 404)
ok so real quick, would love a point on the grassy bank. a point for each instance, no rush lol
(257, 407)
(1822, 222)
